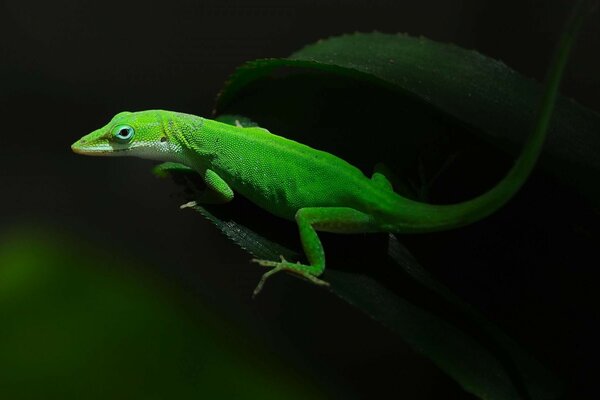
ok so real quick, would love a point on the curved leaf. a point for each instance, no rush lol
(482, 360)
(472, 91)
(476, 90)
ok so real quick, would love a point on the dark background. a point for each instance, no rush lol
(67, 67)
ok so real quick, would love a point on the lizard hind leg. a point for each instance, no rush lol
(382, 177)
(309, 220)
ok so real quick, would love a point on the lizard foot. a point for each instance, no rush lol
(189, 204)
(284, 265)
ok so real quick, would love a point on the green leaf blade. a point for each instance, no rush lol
(479, 91)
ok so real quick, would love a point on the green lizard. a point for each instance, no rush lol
(318, 190)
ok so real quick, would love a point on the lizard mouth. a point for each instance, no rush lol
(78, 148)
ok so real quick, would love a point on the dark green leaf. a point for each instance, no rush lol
(477, 91)
(526, 375)
(488, 365)
(461, 89)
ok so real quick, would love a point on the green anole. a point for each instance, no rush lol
(318, 190)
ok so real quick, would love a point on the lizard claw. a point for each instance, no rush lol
(189, 204)
(283, 265)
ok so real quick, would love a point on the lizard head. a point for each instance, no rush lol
(138, 134)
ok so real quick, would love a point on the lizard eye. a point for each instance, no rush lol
(123, 133)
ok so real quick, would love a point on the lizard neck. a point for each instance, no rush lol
(209, 144)
(187, 137)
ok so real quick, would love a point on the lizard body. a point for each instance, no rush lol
(318, 190)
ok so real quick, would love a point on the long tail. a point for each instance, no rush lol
(427, 218)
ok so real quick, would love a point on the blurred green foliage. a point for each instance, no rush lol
(79, 323)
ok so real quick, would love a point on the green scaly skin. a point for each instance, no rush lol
(318, 190)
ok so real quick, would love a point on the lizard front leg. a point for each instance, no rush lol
(309, 220)
(217, 191)
(169, 168)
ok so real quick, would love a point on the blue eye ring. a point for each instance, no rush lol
(123, 133)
